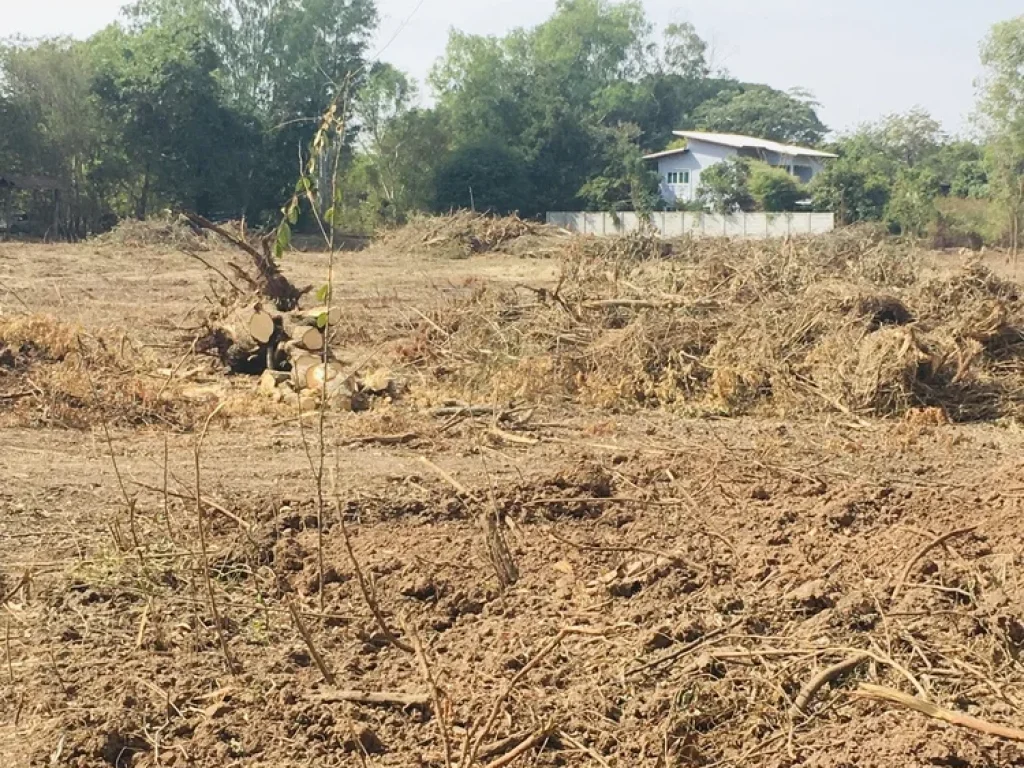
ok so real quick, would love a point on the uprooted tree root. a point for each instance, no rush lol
(845, 323)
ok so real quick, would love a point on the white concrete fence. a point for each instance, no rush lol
(680, 224)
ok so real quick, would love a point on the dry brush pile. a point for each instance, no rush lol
(848, 323)
(54, 373)
(464, 233)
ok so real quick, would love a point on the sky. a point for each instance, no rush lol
(860, 58)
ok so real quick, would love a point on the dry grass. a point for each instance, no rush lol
(54, 373)
(841, 323)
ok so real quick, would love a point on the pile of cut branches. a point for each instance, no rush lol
(843, 323)
(462, 233)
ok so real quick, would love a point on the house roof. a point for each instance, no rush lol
(750, 142)
(667, 153)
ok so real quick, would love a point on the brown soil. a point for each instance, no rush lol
(695, 572)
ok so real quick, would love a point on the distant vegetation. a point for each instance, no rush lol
(204, 104)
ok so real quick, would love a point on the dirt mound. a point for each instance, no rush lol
(787, 326)
(54, 373)
(463, 233)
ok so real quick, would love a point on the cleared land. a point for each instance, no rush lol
(714, 474)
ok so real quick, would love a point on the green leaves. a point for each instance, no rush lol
(323, 293)
(284, 239)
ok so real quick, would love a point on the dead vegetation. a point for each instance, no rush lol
(847, 323)
(648, 624)
(55, 374)
(163, 231)
(464, 233)
(551, 582)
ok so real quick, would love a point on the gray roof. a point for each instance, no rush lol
(751, 142)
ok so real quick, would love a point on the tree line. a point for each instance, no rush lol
(208, 105)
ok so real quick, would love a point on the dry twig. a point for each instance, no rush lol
(320, 663)
(374, 697)
(892, 696)
(924, 551)
(827, 675)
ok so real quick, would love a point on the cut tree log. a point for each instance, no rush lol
(261, 326)
(246, 340)
(315, 313)
(302, 363)
(321, 375)
(304, 335)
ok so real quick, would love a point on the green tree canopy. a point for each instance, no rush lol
(159, 86)
(758, 110)
(725, 186)
(774, 189)
(1002, 110)
(486, 177)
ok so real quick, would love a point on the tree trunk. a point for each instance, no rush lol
(142, 204)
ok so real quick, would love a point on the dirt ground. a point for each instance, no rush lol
(678, 583)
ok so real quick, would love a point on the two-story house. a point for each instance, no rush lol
(680, 169)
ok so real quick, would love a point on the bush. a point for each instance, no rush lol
(967, 223)
(850, 192)
(724, 187)
(774, 189)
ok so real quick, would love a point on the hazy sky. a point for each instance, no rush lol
(861, 58)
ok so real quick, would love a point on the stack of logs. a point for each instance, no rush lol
(288, 349)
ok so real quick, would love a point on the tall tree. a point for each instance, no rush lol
(685, 52)
(761, 111)
(159, 85)
(1002, 111)
(400, 147)
(51, 126)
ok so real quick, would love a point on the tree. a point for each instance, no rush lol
(52, 127)
(485, 177)
(1002, 110)
(547, 92)
(724, 187)
(280, 59)
(773, 189)
(627, 183)
(851, 191)
(911, 208)
(685, 53)
(897, 141)
(159, 86)
(280, 64)
(758, 110)
(401, 147)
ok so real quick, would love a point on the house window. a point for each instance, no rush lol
(677, 177)
(803, 172)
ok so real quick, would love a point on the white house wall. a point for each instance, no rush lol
(701, 155)
(698, 157)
